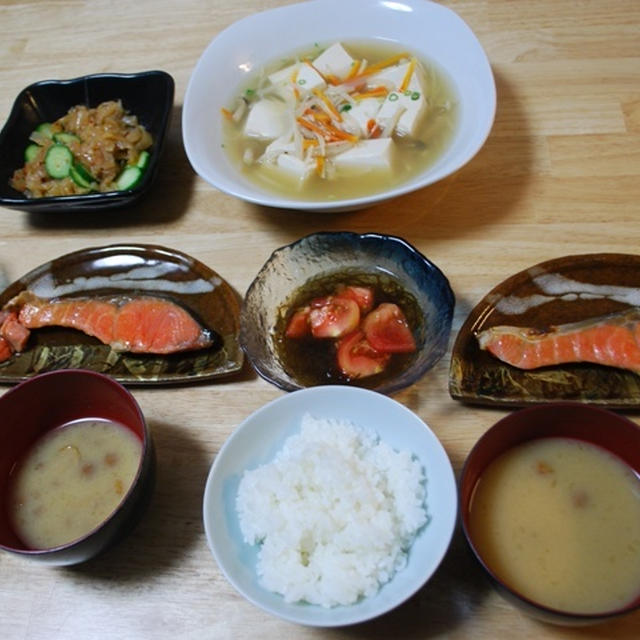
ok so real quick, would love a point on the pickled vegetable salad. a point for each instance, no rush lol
(333, 113)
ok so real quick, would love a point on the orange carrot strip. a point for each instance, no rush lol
(383, 64)
(342, 135)
(320, 165)
(373, 128)
(307, 124)
(334, 112)
(309, 142)
(330, 133)
(226, 113)
(355, 67)
(407, 76)
(371, 93)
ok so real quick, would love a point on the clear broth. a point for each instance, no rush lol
(412, 156)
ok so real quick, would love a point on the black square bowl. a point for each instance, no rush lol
(148, 95)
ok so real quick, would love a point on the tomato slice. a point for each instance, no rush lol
(335, 318)
(358, 359)
(387, 329)
(362, 295)
(298, 326)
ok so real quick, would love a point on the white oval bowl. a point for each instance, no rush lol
(257, 440)
(430, 30)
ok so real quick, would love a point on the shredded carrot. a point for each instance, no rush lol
(376, 92)
(373, 128)
(320, 165)
(355, 67)
(328, 132)
(407, 76)
(317, 115)
(309, 142)
(383, 64)
(312, 126)
(310, 64)
(342, 135)
(320, 94)
(226, 113)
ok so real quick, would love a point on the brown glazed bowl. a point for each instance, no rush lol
(610, 431)
(44, 402)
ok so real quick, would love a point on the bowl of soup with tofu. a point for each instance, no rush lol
(361, 102)
(76, 466)
(550, 506)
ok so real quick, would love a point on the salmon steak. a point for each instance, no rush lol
(130, 324)
(612, 340)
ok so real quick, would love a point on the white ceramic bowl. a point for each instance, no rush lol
(430, 30)
(261, 436)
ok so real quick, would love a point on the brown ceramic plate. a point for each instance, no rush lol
(129, 270)
(564, 290)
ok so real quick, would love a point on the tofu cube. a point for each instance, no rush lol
(393, 77)
(295, 166)
(334, 61)
(306, 80)
(368, 154)
(362, 112)
(268, 119)
(412, 101)
(414, 108)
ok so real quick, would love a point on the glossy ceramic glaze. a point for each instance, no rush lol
(289, 267)
(558, 291)
(47, 401)
(130, 270)
(260, 437)
(148, 95)
(425, 28)
(601, 427)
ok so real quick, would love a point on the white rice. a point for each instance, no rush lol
(335, 513)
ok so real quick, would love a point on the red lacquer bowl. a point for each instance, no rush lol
(610, 431)
(47, 401)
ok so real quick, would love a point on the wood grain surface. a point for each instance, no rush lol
(559, 175)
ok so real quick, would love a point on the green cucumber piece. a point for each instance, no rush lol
(129, 178)
(143, 159)
(58, 160)
(31, 151)
(44, 129)
(65, 138)
(81, 176)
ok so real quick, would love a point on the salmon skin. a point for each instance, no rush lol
(133, 324)
(612, 340)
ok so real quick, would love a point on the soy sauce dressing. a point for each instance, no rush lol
(312, 361)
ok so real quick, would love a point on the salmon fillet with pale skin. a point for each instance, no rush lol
(612, 340)
(137, 325)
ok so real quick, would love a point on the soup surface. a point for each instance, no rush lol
(346, 120)
(71, 480)
(558, 520)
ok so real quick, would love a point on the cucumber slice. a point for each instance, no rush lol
(143, 159)
(65, 138)
(129, 178)
(81, 176)
(31, 151)
(58, 160)
(44, 129)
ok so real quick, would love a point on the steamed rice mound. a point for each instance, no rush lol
(335, 513)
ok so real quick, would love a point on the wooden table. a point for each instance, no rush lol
(559, 175)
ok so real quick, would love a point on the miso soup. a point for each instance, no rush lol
(342, 121)
(558, 520)
(71, 480)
